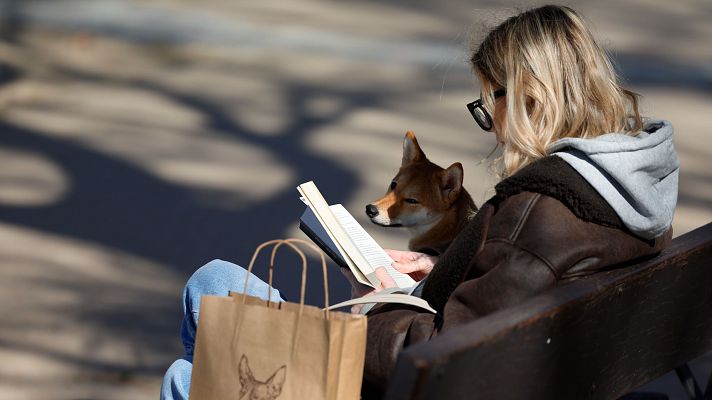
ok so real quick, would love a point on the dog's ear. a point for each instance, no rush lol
(247, 380)
(276, 381)
(451, 182)
(411, 150)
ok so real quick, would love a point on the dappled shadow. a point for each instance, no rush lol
(10, 22)
(645, 69)
(116, 204)
(113, 203)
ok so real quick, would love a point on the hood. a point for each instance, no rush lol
(636, 175)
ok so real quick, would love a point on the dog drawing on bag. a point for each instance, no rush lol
(258, 390)
(426, 199)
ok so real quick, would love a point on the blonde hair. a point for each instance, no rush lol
(559, 83)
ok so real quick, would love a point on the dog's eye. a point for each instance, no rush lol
(411, 201)
(393, 185)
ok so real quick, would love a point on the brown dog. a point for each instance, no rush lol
(425, 198)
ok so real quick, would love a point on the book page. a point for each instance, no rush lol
(386, 298)
(372, 251)
(353, 256)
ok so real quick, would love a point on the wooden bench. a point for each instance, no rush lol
(596, 338)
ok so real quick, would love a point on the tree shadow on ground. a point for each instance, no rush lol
(116, 204)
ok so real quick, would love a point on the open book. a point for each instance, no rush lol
(345, 241)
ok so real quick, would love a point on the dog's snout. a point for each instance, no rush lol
(371, 210)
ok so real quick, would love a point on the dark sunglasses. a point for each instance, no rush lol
(481, 116)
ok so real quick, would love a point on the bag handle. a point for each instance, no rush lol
(291, 243)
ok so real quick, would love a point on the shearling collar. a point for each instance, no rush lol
(554, 177)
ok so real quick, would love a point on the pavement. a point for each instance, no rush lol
(141, 139)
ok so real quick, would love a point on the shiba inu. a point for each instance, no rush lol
(258, 390)
(426, 199)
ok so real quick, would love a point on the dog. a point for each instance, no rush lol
(426, 199)
(258, 390)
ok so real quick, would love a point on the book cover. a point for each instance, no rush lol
(343, 238)
(309, 224)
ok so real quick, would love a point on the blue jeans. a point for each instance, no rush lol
(217, 277)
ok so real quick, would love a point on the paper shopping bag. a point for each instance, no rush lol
(248, 348)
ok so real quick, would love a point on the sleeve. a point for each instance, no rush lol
(515, 275)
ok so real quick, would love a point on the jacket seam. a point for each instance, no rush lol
(525, 215)
(541, 258)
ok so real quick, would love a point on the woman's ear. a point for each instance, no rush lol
(451, 182)
(411, 150)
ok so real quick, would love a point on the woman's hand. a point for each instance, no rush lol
(417, 265)
(360, 290)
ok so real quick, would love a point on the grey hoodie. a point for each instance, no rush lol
(636, 175)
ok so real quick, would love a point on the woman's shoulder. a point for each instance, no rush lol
(572, 246)
(554, 178)
(546, 228)
(549, 210)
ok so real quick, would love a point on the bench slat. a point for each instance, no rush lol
(595, 338)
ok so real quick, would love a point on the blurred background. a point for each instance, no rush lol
(140, 139)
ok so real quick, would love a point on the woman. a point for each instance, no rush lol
(588, 185)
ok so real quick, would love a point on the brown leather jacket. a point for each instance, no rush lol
(545, 226)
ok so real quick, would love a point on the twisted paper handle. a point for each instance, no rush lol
(291, 243)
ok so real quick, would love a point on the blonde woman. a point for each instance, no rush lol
(588, 184)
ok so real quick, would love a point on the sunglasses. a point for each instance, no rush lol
(481, 116)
